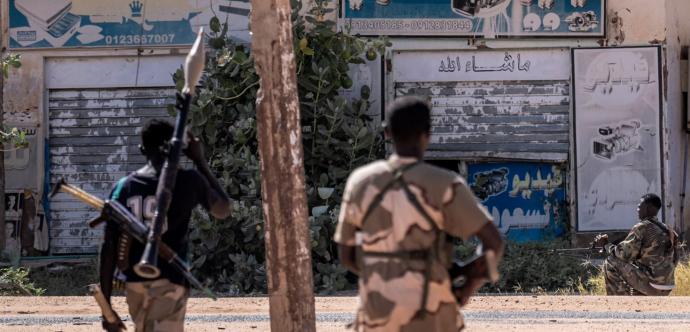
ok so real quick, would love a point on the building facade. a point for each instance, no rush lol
(561, 114)
(92, 73)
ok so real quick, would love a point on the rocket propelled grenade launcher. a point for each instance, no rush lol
(128, 223)
(193, 68)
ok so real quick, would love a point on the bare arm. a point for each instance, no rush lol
(107, 260)
(218, 200)
(491, 240)
(348, 258)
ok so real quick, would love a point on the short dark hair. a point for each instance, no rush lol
(652, 199)
(155, 134)
(407, 118)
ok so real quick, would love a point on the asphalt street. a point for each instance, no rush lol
(517, 317)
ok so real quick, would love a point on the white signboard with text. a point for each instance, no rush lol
(480, 65)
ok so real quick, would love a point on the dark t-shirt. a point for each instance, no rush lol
(138, 194)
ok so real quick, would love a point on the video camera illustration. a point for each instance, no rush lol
(479, 8)
(490, 183)
(582, 22)
(623, 139)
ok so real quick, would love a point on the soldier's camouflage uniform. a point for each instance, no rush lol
(391, 288)
(645, 258)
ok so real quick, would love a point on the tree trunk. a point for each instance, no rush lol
(2, 163)
(288, 252)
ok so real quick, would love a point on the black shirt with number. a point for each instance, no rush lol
(138, 193)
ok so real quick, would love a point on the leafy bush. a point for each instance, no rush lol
(536, 267)
(65, 280)
(15, 281)
(338, 136)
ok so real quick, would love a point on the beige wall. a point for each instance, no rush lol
(675, 78)
(634, 22)
(630, 22)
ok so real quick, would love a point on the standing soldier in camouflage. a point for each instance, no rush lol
(392, 229)
(643, 263)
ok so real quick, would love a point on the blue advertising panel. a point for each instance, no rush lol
(487, 18)
(119, 23)
(526, 200)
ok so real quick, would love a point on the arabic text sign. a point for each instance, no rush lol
(118, 23)
(526, 200)
(444, 66)
(476, 17)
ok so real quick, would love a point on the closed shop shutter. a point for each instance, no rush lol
(517, 120)
(94, 138)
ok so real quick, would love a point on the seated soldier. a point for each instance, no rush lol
(644, 262)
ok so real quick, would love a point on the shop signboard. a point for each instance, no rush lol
(526, 200)
(475, 18)
(119, 23)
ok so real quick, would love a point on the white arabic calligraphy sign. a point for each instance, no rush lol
(493, 65)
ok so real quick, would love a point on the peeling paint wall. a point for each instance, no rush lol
(677, 37)
(73, 130)
(94, 138)
(633, 22)
(22, 105)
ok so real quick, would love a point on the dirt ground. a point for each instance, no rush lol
(484, 313)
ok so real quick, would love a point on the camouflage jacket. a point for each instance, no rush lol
(649, 247)
(391, 288)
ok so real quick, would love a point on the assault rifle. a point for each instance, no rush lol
(128, 223)
(585, 252)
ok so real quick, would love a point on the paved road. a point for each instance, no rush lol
(527, 313)
(517, 317)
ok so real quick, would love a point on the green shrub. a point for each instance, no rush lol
(338, 136)
(65, 280)
(15, 281)
(536, 267)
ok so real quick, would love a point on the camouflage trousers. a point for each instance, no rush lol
(615, 283)
(625, 279)
(157, 306)
(447, 319)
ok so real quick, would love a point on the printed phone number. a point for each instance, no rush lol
(424, 25)
(140, 39)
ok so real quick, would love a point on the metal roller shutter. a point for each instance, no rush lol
(93, 139)
(527, 120)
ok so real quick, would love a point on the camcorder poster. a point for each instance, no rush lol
(488, 18)
(120, 23)
(617, 110)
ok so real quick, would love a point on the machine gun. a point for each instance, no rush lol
(128, 223)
